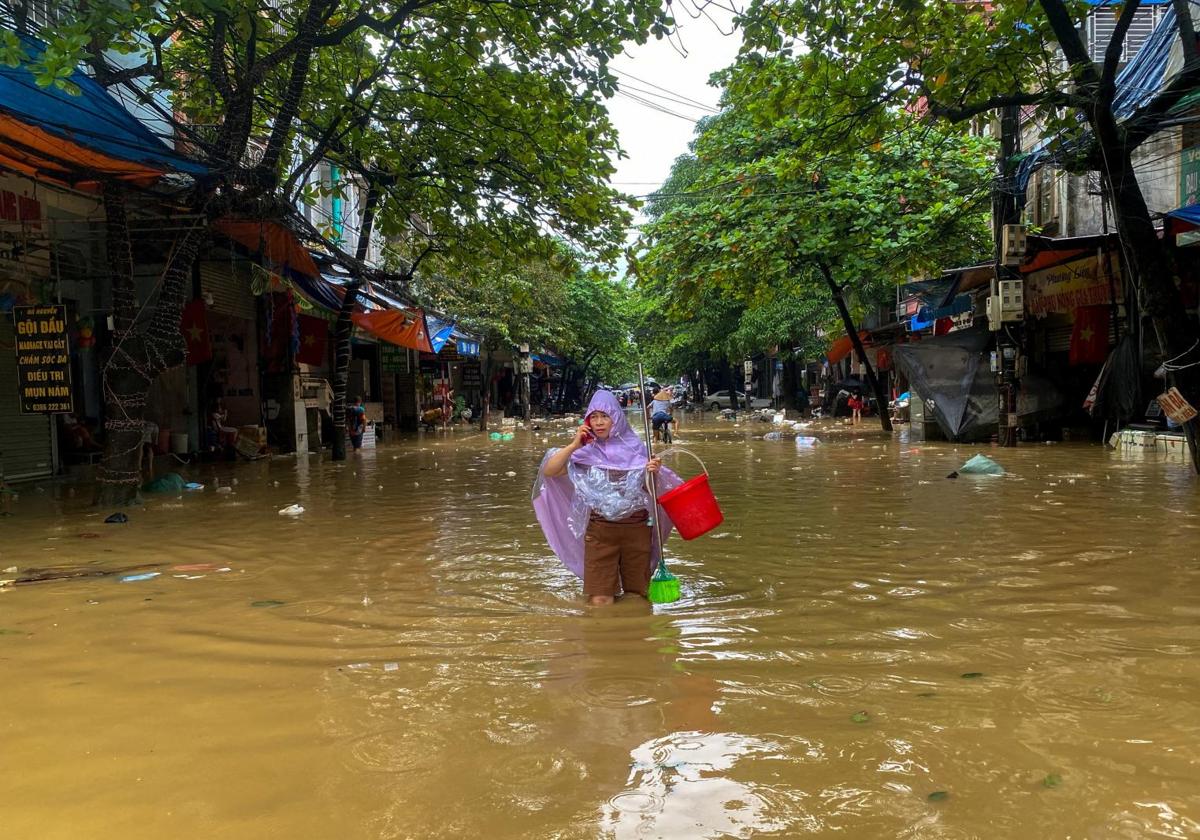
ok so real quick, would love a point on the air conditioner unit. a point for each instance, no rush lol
(1012, 244)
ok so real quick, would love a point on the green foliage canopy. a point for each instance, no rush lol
(766, 198)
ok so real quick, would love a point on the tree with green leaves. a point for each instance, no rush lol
(597, 346)
(507, 300)
(773, 211)
(965, 60)
(487, 122)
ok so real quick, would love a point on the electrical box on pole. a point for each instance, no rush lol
(1012, 244)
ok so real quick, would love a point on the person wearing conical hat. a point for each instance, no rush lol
(662, 412)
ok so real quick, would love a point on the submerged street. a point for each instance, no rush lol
(863, 649)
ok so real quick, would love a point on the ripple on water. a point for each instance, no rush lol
(536, 770)
(398, 750)
(306, 609)
(636, 802)
(833, 685)
(620, 692)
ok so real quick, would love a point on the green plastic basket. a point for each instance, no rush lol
(664, 586)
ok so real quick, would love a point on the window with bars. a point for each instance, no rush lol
(32, 16)
(1102, 23)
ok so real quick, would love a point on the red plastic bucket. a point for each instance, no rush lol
(692, 506)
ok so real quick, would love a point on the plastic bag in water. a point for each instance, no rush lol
(981, 465)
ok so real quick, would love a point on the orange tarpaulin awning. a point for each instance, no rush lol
(842, 347)
(271, 239)
(1052, 257)
(406, 329)
(36, 153)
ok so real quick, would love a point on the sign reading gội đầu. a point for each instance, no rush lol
(43, 359)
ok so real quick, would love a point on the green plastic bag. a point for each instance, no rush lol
(981, 465)
(169, 483)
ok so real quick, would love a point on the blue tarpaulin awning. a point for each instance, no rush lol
(927, 316)
(76, 135)
(1189, 213)
(439, 332)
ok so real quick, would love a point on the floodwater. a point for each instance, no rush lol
(864, 649)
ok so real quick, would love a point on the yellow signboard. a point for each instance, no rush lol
(1084, 281)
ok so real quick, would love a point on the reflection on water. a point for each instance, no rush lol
(863, 649)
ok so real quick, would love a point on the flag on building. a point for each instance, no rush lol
(194, 326)
(314, 336)
(1089, 338)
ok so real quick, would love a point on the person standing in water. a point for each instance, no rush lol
(356, 423)
(592, 503)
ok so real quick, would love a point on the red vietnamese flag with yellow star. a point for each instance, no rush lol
(1089, 338)
(314, 332)
(194, 326)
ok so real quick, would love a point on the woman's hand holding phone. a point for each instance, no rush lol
(584, 435)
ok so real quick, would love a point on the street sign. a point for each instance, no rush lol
(43, 359)
(1176, 407)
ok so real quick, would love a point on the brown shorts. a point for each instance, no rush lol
(616, 556)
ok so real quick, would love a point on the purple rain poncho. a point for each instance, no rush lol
(607, 477)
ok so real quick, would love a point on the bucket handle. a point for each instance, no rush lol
(672, 449)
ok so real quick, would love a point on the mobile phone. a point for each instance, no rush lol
(587, 427)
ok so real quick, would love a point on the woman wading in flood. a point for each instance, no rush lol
(592, 503)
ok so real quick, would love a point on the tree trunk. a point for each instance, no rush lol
(1153, 272)
(486, 382)
(137, 356)
(525, 397)
(789, 385)
(343, 334)
(885, 420)
(343, 331)
(1150, 265)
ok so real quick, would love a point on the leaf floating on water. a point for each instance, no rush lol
(1052, 780)
(270, 602)
(860, 717)
(927, 694)
(939, 796)
(972, 675)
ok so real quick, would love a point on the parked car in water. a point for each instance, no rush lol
(718, 400)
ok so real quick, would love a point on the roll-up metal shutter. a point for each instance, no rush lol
(1058, 339)
(229, 285)
(26, 450)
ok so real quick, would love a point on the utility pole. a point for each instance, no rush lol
(1005, 211)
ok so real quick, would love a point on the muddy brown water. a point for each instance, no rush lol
(864, 649)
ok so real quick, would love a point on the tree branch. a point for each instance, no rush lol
(218, 73)
(1187, 30)
(1116, 44)
(965, 112)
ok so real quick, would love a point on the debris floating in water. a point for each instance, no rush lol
(981, 465)
(291, 510)
(142, 576)
(116, 519)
